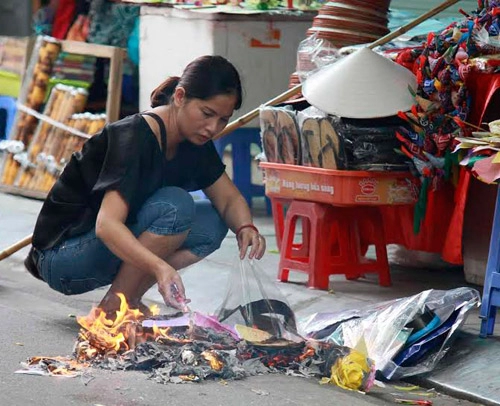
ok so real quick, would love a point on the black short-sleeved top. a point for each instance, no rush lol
(126, 157)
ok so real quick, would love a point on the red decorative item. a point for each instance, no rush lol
(238, 231)
(63, 19)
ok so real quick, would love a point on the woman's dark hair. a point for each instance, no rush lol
(204, 78)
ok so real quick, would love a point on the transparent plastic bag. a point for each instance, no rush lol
(488, 44)
(404, 337)
(401, 256)
(254, 301)
(314, 53)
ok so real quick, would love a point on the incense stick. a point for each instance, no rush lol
(466, 123)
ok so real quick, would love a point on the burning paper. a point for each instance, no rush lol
(183, 349)
(52, 366)
(186, 320)
(252, 334)
(188, 348)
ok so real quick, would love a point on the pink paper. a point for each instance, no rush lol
(486, 170)
(199, 320)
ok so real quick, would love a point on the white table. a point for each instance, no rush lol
(263, 47)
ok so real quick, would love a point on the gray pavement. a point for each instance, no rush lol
(36, 322)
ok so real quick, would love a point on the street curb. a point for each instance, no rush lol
(451, 391)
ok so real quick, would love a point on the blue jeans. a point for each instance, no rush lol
(83, 263)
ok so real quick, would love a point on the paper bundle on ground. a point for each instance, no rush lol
(404, 337)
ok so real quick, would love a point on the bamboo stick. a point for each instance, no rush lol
(255, 112)
(412, 24)
(281, 98)
(234, 125)
(7, 252)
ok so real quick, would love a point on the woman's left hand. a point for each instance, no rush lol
(248, 237)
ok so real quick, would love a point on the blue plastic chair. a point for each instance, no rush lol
(8, 104)
(491, 290)
(240, 141)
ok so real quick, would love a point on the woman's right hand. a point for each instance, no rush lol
(171, 287)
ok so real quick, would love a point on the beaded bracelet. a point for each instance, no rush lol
(246, 226)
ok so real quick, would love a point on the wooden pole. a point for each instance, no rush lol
(412, 24)
(254, 113)
(7, 252)
(277, 100)
(234, 125)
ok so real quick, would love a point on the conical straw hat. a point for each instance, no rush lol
(364, 84)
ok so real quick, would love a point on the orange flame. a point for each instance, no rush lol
(213, 360)
(154, 309)
(310, 352)
(163, 334)
(102, 335)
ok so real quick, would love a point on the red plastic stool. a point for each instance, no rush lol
(279, 207)
(331, 243)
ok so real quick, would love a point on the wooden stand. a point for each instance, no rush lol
(113, 101)
(116, 56)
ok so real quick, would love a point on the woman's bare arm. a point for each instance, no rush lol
(234, 209)
(111, 229)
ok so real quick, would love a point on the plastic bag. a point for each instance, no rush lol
(486, 44)
(401, 256)
(371, 142)
(404, 337)
(252, 300)
(314, 53)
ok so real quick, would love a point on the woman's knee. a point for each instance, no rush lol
(170, 210)
(78, 269)
(208, 231)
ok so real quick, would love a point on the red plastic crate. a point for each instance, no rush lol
(340, 187)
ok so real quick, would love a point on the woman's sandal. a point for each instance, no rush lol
(330, 145)
(310, 137)
(269, 136)
(288, 137)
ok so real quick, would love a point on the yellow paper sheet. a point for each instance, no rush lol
(496, 159)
